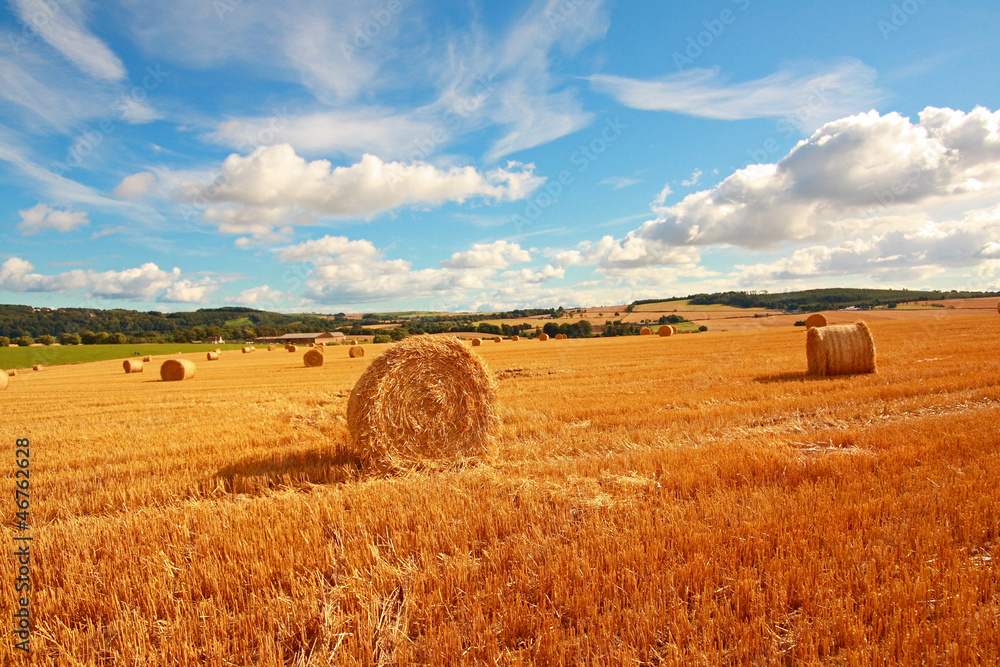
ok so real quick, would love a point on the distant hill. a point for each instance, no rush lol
(819, 299)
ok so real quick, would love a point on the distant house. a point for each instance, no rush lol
(304, 338)
(216, 341)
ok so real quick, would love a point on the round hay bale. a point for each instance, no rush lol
(840, 349)
(132, 366)
(476, 342)
(247, 350)
(12, 372)
(174, 370)
(4, 381)
(543, 336)
(218, 351)
(148, 358)
(646, 331)
(352, 342)
(497, 339)
(356, 352)
(313, 358)
(312, 344)
(212, 356)
(562, 337)
(291, 348)
(666, 330)
(425, 398)
(515, 338)
(37, 367)
(270, 348)
(816, 320)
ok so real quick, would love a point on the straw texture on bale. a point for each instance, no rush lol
(666, 330)
(646, 331)
(543, 336)
(497, 339)
(816, 320)
(313, 358)
(840, 349)
(212, 356)
(291, 348)
(132, 366)
(4, 381)
(355, 352)
(148, 358)
(424, 398)
(174, 370)
(37, 367)
(476, 342)
(515, 338)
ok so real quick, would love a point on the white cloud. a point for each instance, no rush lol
(619, 182)
(694, 180)
(327, 246)
(261, 296)
(136, 186)
(62, 26)
(140, 284)
(188, 291)
(42, 216)
(806, 96)
(496, 255)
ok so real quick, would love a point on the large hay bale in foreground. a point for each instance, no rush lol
(476, 342)
(424, 398)
(816, 320)
(515, 338)
(646, 331)
(543, 336)
(313, 358)
(132, 366)
(212, 356)
(356, 352)
(4, 381)
(840, 349)
(291, 348)
(174, 370)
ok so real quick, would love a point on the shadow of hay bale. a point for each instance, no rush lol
(256, 474)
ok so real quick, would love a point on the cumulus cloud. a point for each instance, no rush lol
(42, 216)
(496, 255)
(141, 284)
(189, 291)
(807, 95)
(136, 186)
(257, 296)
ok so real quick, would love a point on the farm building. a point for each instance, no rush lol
(304, 338)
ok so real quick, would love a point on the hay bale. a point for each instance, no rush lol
(270, 348)
(4, 380)
(12, 372)
(218, 351)
(515, 338)
(212, 356)
(497, 339)
(247, 350)
(148, 358)
(291, 348)
(352, 342)
(476, 342)
(816, 320)
(666, 330)
(356, 352)
(132, 366)
(543, 336)
(175, 370)
(424, 398)
(314, 358)
(562, 337)
(646, 331)
(37, 367)
(840, 349)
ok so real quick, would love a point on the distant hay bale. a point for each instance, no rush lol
(543, 336)
(12, 372)
(476, 342)
(352, 342)
(312, 344)
(291, 348)
(840, 349)
(646, 331)
(515, 338)
(37, 367)
(270, 348)
(247, 350)
(665, 330)
(4, 380)
(561, 337)
(356, 352)
(497, 339)
(132, 366)
(212, 356)
(175, 370)
(148, 358)
(816, 320)
(313, 358)
(425, 398)
(218, 351)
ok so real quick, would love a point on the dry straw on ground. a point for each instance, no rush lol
(148, 358)
(424, 398)
(666, 330)
(174, 370)
(4, 381)
(476, 342)
(212, 356)
(646, 332)
(132, 365)
(291, 348)
(816, 320)
(313, 358)
(356, 352)
(543, 336)
(840, 349)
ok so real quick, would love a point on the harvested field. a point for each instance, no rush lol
(718, 507)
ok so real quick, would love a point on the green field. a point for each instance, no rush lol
(55, 355)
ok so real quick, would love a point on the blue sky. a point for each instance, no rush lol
(357, 156)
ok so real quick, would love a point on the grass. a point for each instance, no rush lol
(685, 501)
(55, 355)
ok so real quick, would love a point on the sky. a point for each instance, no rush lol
(469, 156)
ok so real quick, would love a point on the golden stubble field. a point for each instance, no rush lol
(691, 500)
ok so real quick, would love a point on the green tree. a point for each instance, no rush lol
(4, 341)
(46, 339)
(118, 339)
(382, 338)
(23, 341)
(70, 339)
